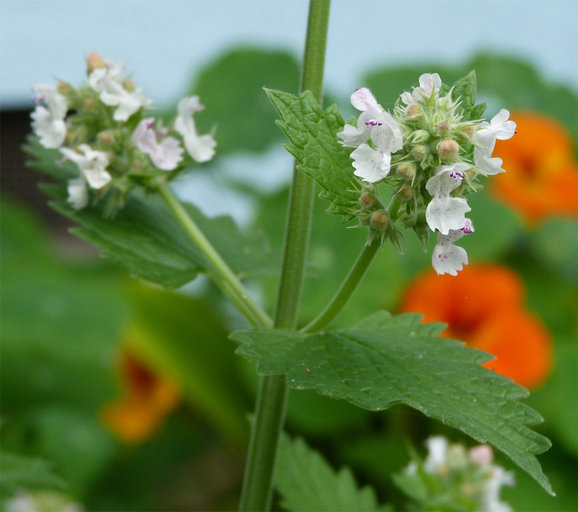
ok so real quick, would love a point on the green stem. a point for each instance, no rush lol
(273, 391)
(218, 270)
(347, 288)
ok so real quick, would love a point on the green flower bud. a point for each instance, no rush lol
(469, 130)
(397, 240)
(420, 152)
(443, 127)
(448, 149)
(128, 85)
(406, 171)
(64, 88)
(90, 105)
(419, 136)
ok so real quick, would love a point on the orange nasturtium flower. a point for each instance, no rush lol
(541, 178)
(147, 399)
(484, 306)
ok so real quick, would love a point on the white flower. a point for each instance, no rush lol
(370, 164)
(200, 147)
(499, 128)
(77, 193)
(448, 258)
(444, 212)
(108, 82)
(491, 498)
(482, 455)
(165, 152)
(437, 454)
(429, 83)
(91, 163)
(48, 121)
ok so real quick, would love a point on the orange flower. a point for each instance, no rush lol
(484, 306)
(541, 177)
(147, 399)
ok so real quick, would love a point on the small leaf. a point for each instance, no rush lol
(386, 360)
(315, 146)
(307, 482)
(464, 90)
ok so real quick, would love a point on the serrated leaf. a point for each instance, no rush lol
(307, 482)
(465, 90)
(21, 473)
(313, 134)
(386, 360)
(146, 238)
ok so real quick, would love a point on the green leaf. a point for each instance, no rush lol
(26, 473)
(313, 134)
(231, 88)
(465, 90)
(307, 482)
(146, 238)
(385, 360)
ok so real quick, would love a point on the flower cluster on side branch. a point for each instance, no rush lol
(430, 151)
(103, 128)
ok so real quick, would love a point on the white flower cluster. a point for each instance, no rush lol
(479, 479)
(436, 156)
(99, 154)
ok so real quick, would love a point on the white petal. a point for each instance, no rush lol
(446, 179)
(446, 214)
(168, 154)
(363, 100)
(77, 193)
(485, 163)
(437, 453)
(370, 165)
(502, 129)
(387, 134)
(50, 130)
(201, 148)
(448, 258)
(352, 137)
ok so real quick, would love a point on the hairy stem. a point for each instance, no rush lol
(218, 270)
(347, 288)
(272, 399)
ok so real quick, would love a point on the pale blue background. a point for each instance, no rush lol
(163, 41)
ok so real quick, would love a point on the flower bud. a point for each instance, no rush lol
(470, 174)
(406, 171)
(448, 149)
(469, 130)
(443, 127)
(90, 105)
(366, 200)
(405, 192)
(64, 88)
(128, 85)
(379, 221)
(419, 136)
(412, 110)
(419, 152)
(105, 139)
(95, 61)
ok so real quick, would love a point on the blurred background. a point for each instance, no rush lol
(120, 396)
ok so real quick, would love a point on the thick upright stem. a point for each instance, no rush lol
(271, 402)
(347, 288)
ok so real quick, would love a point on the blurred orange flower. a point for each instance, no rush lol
(484, 306)
(147, 399)
(541, 178)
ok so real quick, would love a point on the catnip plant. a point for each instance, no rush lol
(395, 174)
